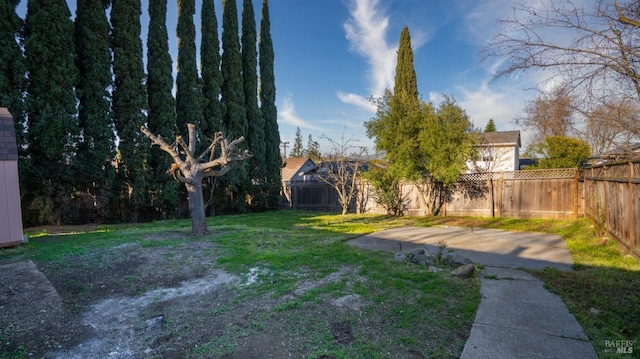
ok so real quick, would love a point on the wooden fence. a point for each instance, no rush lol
(612, 199)
(518, 194)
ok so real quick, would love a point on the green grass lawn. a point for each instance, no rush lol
(408, 310)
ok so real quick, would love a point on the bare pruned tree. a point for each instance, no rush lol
(341, 169)
(595, 49)
(190, 169)
(550, 114)
(612, 125)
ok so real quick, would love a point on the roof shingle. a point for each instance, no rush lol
(8, 147)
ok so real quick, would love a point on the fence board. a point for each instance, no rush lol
(612, 199)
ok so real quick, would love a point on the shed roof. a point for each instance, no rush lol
(292, 166)
(500, 138)
(8, 147)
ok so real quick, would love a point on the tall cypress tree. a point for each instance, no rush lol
(210, 70)
(255, 131)
(405, 80)
(130, 105)
(273, 160)
(397, 122)
(163, 192)
(96, 146)
(12, 68)
(188, 94)
(50, 106)
(234, 115)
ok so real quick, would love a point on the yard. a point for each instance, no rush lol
(278, 284)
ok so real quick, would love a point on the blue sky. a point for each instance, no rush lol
(332, 55)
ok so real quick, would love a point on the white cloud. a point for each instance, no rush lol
(366, 32)
(355, 99)
(287, 114)
(484, 103)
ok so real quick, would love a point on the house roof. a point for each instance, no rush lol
(8, 147)
(500, 138)
(292, 166)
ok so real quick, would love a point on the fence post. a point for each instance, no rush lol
(575, 193)
(500, 194)
(631, 199)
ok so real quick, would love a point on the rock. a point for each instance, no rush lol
(419, 251)
(433, 269)
(420, 259)
(400, 257)
(457, 259)
(463, 271)
(594, 311)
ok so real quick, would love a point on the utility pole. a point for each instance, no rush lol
(284, 144)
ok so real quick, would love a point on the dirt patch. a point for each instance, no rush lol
(144, 300)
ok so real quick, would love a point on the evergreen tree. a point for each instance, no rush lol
(255, 130)
(210, 70)
(96, 146)
(405, 80)
(162, 116)
(297, 151)
(397, 123)
(234, 115)
(12, 68)
(50, 106)
(129, 105)
(491, 126)
(188, 94)
(273, 160)
(313, 149)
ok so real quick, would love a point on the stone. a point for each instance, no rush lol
(419, 251)
(457, 259)
(433, 269)
(420, 259)
(400, 257)
(463, 271)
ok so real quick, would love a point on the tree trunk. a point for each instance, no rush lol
(196, 207)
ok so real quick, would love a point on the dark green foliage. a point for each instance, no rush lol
(560, 152)
(12, 68)
(387, 189)
(210, 70)
(50, 107)
(255, 122)
(297, 150)
(188, 94)
(235, 118)
(491, 126)
(211, 81)
(405, 80)
(129, 106)
(96, 146)
(397, 122)
(273, 160)
(163, 191)
(418, 140)
(236, 183)
(313, 149)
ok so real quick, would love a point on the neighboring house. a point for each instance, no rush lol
(10, 212)
(295, 170)
(497, 152)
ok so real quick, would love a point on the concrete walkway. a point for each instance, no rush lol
(517, 317)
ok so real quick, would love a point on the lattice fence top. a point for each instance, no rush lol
(527, 174)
